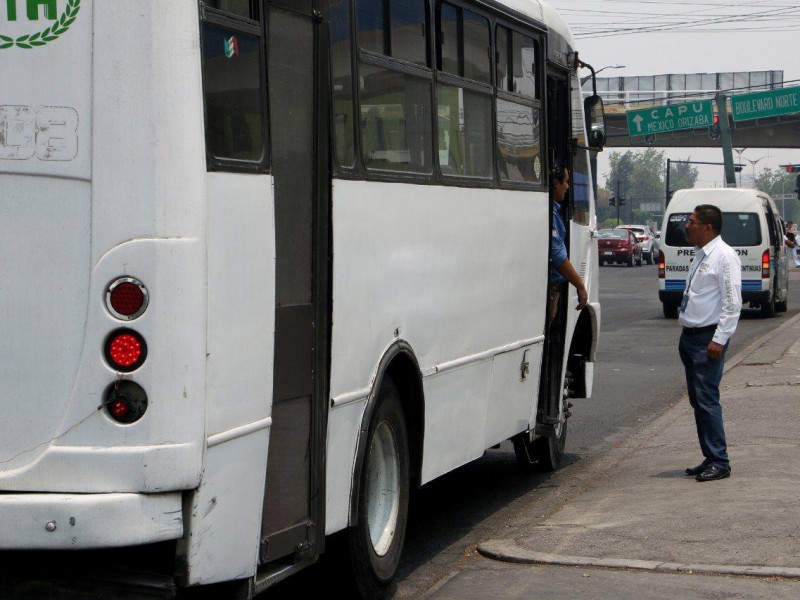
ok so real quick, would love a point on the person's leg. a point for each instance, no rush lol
(706, 376)
(686, 353)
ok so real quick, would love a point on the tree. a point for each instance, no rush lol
(641, 179)
(778, 181)
(682, 176)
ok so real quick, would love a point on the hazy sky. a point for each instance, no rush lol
(652, 37)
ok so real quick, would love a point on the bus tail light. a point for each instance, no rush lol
(125, 401)
(126, 298)
(765, 263)
(125, 350)
(662, 265)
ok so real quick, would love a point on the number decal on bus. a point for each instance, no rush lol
(51, 133)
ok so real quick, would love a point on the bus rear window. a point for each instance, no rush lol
(738, 229)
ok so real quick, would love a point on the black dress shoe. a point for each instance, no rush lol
(712, 473)
(694, 471)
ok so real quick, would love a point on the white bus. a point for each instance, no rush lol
(270, 264)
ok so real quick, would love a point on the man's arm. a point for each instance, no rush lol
(730, 288)
(568, 272)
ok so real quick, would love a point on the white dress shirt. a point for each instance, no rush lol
(713, 294)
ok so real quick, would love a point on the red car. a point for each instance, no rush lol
(618, 246)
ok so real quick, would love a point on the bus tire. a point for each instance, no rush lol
(550, 450)
(375, 542)
(670, 310)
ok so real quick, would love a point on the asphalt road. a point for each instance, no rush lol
(637, 376)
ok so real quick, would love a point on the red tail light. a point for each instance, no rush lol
(125, 401)
(765, 263)
(125, 350)
(642, 238)
(126, 298)
(662, 265)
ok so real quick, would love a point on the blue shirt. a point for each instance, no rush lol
(558, 249)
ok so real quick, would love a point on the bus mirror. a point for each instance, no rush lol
(595, 121)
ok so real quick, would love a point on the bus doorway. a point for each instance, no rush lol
(293, 524)
(552, 413)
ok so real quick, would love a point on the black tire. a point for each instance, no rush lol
(374, 561)
(550, 450)
(783, 306)
(601, 262)
(639, 262)
(629, 262)
(768, 309)
(670, 310)
(650, 258)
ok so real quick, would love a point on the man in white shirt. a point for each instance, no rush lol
(709, 314)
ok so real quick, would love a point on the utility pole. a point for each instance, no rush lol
(619, 198)
(725, 134)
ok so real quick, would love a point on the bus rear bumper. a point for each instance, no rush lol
(87, 521)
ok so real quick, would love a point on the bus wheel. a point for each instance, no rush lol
(376, 541)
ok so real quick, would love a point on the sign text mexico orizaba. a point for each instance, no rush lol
(771, 103)
(673, 117)
(28, 24)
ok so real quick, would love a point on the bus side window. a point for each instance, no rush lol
(519, 114)
(242, 8)
(397, 28)
(581, 175)
(464, 115)
(342, 75)
(235, 106)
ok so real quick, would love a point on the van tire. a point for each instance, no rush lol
(768, 308)
(670, 310)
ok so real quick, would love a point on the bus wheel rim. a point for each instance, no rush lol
(383, 489)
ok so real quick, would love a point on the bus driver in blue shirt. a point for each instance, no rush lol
(561, 268)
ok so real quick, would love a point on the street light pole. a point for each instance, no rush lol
(588, 77)
(754, 163)
(739, 153)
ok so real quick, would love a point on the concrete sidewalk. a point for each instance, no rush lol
(637, 510)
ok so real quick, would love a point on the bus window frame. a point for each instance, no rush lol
(250, 27)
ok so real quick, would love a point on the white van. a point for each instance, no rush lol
(751, 225)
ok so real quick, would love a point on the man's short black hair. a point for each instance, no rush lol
(710, 215)
(557, 173)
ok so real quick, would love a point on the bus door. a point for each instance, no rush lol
(558, 136)
(293, 516)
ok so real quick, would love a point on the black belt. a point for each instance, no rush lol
(695, 330)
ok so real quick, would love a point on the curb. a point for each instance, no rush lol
(754, 345)
(509, 551)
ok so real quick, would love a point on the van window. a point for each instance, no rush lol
(738, 229)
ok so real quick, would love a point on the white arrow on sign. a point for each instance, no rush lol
(638, 120)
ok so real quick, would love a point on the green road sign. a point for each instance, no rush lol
(673, 117)
(771, 103)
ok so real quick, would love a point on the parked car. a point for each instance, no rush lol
(647, 237)
(618, 246)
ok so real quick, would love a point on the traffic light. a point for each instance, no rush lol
(612, 201)
(713, 130)
(622, 201)
(794, 169)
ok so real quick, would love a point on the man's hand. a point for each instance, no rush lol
(583, 298)
(715, 350)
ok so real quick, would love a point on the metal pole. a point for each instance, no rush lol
(725, 135)
(666, 194)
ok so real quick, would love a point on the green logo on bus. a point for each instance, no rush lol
(31, 8)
